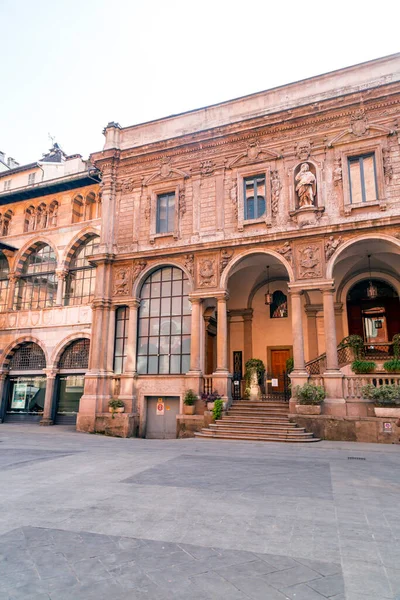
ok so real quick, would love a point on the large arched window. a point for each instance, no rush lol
(3, 281)
(164, 323)
(76, 355)
(27, 357)
(81, 278)
(37, 285)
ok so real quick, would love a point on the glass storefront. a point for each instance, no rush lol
(27, 395)
(70, 392)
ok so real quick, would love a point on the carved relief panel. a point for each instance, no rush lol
(122, 282)
(309, 260)
(207, 271)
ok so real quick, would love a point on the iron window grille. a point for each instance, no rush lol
(164, 323)
(3, 282)
(37, 285)
(76, 355)
(362, 178)
(165, 213)
(81, 278)
(121, 338)
(28, 357)
(254, 197)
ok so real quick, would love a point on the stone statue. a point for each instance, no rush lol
(54, 214)
(331, 246)
(306, 186)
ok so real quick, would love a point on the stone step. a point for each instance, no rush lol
(249, 413)
(255, 427)
(246, 431)
(260, 404)
(250, 422)
(210, 435)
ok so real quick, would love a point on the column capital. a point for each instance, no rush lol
(195, 299)
(13, 277)
(100, 303)
(221, 296)
(61, 274)
(51, 372)
(133, 303)
(327, 290)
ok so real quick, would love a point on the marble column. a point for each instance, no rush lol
(222, 334)
(130, 364)
(49, 398)
(333, 378)
(61, 276)
(247, 335)
(13, 282)
(297, 333)
(195, 336)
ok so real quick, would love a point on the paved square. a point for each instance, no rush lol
(96, 517)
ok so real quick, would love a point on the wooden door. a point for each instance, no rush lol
(278, 366)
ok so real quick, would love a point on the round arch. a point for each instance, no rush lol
(13, 347)
(32, 246)
(228, 271)
(346, 285)
(261, 284)
(63, 345)
(363, 238)
(137, 284)
(81, 237)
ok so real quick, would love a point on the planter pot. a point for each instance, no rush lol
(188, 410)
(387, 411)
(121, 409)
(308, 409)
(210, 405)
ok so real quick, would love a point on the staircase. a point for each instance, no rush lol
(257, 421)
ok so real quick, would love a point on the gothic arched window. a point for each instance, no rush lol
(164, 323)
(81, 278)
(37, 284)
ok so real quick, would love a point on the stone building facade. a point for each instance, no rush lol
(292, 193)
(50, 216)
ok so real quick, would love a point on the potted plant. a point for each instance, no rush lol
(310, 398)
(116, 406)
(361, 367)
(392, 366)
(209, 399)
(356, 343)
(386, 399)
(189, 402)
(218, 408)
(289, 365)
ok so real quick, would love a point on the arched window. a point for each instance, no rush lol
(90, 207)
(5, 224)
(28, 357)
(53, 214)
(37, 285)
(254, 197)
(81, 278)
(77, 209)
(75, 355)
(278, 309)
(121, 338)
(3, 281)
(164, 323)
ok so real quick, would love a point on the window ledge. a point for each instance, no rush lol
(348, 208)
(261, 220)
(157, 236)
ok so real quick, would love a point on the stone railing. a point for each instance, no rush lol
(353, 384)
(316, 380)
(318, 365)
(207, 384)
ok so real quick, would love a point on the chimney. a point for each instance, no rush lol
(2, 156)
(11, 162)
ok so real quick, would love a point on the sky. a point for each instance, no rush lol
(68, 67)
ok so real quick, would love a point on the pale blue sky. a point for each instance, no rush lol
(71, 66)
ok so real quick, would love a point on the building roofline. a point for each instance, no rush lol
(263, 92)
(19, 169)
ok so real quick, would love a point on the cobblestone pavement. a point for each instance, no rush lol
(87, 517)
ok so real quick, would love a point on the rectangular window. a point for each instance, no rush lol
(7, 185)
(121, 338)
(362, 177)
(165, 213)
(254, 197)
(31, 178)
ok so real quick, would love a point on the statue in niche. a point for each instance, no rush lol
(306, 186)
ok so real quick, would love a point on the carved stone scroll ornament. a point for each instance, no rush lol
(207, 167)
(286, 252)
(189, 263)
(387, 165)
(276, 187)
(121, 282)
(337, 171)
(182, 203)
(226, 256)
(309, 261)
(138, 267)
(207, 273)
(331, 245)
(234, 198)
(359, 123)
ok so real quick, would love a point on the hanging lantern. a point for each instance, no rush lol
(372, 290)
(268, 297)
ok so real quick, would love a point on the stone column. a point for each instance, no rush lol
(222, 379)
(222, 334)
(49, 398)
(311, 312)
(299, 375)
(13, 279)
(333, 378)
(3, 398)
(61, 276)
(247, 335)
(111, 339)
(128, 378)
(195, 336)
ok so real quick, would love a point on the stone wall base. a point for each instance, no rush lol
(186, 425)
(122, 425)
(350, 429)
